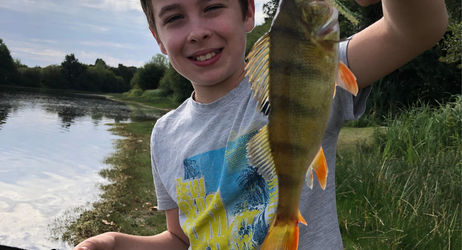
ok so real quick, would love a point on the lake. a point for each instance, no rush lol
(52, 146)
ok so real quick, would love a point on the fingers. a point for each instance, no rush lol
(103, 241)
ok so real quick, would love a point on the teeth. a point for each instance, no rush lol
(205, 57)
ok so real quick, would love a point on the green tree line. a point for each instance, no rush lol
(70, 74)
(157, 74)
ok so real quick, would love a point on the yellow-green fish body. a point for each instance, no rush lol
(302, 73)
(293, 70)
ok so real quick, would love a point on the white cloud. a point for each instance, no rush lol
(89, 27)
(112, 5)
(107, 44)
(259, 15)
(42, 56)
(36, 40)
(31, 6)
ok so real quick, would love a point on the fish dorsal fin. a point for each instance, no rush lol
(257, 70)
(259, 154)
(346, 79)
(319, 166)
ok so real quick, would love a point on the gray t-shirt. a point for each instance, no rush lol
(199, 165)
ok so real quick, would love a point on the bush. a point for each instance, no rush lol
(154, 93)
(136, 92)
(53, 77)
(179, 87)
(29, 77)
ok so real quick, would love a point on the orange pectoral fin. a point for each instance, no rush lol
(346, 79)
(320, 168)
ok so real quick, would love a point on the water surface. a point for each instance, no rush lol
(52, 146)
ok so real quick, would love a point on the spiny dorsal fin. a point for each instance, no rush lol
(257, 70)
(319, 165)
(259, 154)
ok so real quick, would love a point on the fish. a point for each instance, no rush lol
(293, 71)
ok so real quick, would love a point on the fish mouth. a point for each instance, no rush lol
(205, 55)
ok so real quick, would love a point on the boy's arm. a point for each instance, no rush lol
(173, 238)
(407, 28)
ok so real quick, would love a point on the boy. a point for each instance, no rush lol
(211, 195)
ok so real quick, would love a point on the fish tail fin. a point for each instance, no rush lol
(346, 79)
(283, 234)
(319, 166)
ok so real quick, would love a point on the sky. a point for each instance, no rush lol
(43, 32)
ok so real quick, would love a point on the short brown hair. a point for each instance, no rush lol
(148, 10)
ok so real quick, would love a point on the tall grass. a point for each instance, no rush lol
(404, 191)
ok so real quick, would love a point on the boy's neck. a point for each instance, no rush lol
(209, 94)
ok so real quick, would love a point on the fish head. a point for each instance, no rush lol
(319, 22)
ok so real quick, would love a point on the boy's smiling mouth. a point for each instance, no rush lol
(203, 59)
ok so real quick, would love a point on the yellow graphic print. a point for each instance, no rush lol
(206, 222)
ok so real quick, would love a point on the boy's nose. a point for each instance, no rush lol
(198, 35)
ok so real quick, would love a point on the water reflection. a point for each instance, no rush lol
(52, 146)
(4, 110)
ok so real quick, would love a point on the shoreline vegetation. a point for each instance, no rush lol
(398, 186)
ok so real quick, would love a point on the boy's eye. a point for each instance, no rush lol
(213, 7)
(173, 18)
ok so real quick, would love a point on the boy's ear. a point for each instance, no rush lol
(159, 42)
(250, 16)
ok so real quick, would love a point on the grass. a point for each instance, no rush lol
(156, 101)
(403, 191)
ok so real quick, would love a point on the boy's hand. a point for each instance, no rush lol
(102, 241)
(365, 3)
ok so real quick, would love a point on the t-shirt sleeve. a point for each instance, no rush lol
(164, 200)
(353, 106)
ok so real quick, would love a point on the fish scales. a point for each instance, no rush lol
(293, 70)
(296, 127)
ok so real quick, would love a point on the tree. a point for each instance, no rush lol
(179, 87)
(72, 69)
(8, 71)
(148, 76)
(100, 62)
(53, 77)
(126, 73)
(29, 77)
(270, 8)
(160, 60)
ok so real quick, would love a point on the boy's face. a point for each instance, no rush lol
(204, 39)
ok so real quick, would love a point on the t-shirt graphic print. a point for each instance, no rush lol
(226, 202)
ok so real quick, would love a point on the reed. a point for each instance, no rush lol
(404, 190)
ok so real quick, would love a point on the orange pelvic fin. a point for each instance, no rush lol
(346, 79)
(319, 165)
(283, 235)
